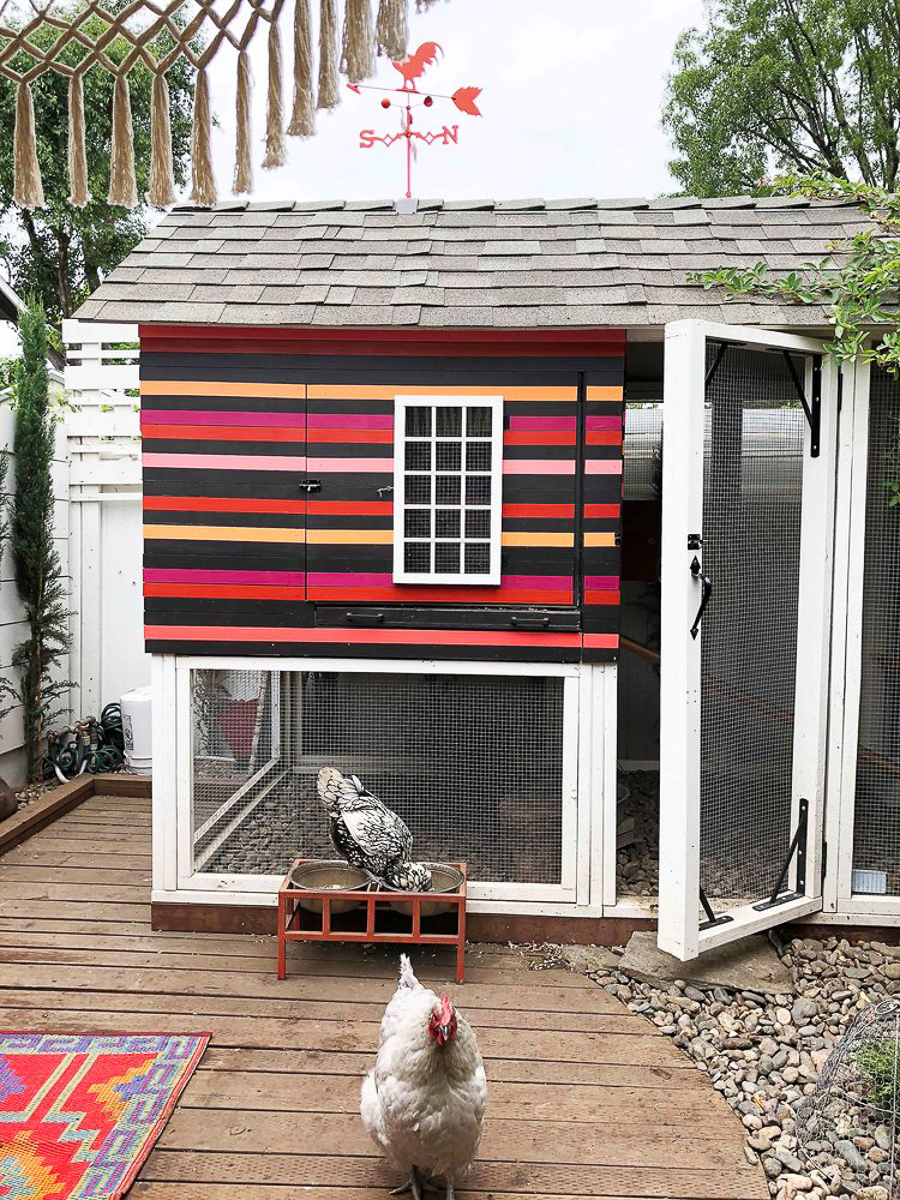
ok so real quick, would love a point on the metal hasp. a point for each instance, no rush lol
(813, 407)
(696, 570)
(798, 847)
(711, 919)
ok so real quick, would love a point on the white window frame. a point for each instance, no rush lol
(400, 574)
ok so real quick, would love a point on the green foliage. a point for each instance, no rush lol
(38, 573)
(774, 86)
(878, 1062)
(61, 253)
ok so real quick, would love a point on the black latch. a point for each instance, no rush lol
(310, 485)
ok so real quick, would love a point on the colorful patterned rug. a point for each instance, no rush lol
(79, 1113)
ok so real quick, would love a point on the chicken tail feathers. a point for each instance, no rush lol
(407, 975)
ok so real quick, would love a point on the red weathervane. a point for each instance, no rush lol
(411, 69)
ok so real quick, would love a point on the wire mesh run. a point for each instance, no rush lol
(753, 470)
(876, 839)
(473, 764)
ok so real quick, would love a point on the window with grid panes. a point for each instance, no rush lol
(447, 485)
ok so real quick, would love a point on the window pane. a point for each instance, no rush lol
(478, 523)
(446, 557)
(478, 422)
(447, 489)
(478, 558)
(418, 456)
(449, 421)
(478, 456)
(478, 489)
(446, 522)
(449, 456)
(417, 556)
(418, 523)
(418, 489)
(418, 422)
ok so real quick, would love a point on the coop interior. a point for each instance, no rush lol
(753, 462)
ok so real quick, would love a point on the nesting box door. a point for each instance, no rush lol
(748, 499)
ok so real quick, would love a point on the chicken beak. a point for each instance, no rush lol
(444, 1034)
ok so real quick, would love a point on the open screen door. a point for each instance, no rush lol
(748, 494)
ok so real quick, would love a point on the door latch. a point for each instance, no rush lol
(310, 485)
(697, 572)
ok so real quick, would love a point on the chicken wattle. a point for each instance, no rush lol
(423, 1101)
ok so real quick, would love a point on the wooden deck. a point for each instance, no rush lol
(585, 1099)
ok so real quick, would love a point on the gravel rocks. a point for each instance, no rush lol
(764, 1054)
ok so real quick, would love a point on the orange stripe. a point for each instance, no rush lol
(368, 436)
(539, 510)
(533, 538)
(603, 438)
(350, 537)
(472, 595)
(599, 539)
(353, 391)
(351, 508)
(212, 387)
(222, 533)
(216, 591)
(221, 433)
(221, 504)
(601, 510)
(534, 437)
(601, 597)
(597, 391)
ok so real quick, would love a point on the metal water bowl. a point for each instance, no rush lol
(328, 876)
(444, 878)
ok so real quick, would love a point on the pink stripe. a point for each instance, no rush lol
(350, 579)
(349, 421)
(158, 416)
(603, 466)
(542, 422)
(539, 466)
(350, 464)
(604, 422)
(601, 583)
(173, 575)
(227, 462)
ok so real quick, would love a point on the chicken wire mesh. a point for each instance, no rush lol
(753, 470)
(876, 839)
(850, 1121)
(473, 765)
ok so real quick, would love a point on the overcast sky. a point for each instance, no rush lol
(571, 103)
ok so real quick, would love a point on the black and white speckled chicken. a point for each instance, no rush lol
(368, 834)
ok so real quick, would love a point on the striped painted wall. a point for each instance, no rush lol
(239, 559)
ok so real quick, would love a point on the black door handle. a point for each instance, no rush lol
(310, 485)
(697, 572)
(368, 618)
(530, 622)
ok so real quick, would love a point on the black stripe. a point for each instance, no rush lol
(154, 445)
(261, 404)
(227, 519)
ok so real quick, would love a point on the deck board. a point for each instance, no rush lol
(586, 1099)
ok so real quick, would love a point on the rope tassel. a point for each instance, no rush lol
(243, 169)
(203, 191)
(79, 193)
(328, 67)
(28, 191)
(122, 181)
(303, 115)
(358, 52)
(162, 173)
(392, 29)
(275, 151)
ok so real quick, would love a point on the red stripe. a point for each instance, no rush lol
(217, 591)
(399, 637)
(430, 595)
(221, 504)
(536, 437)
(351, 508)
(539, 510)
(382, 436)
(604, 439)
(601, 641)
(601, 510)
(601, 597)
(221, 433)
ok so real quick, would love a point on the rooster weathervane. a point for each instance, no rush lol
(412, 68)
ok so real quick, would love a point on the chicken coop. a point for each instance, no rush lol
(585, 574)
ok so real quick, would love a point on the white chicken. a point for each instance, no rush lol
(423, 1102)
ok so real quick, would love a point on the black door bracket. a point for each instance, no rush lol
(812, 407)
(798, 846)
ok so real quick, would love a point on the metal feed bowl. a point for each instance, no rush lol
(444, 878)
(328, 876)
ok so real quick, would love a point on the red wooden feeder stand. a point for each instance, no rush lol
(296, 924)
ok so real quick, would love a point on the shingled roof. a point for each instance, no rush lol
(466, 263)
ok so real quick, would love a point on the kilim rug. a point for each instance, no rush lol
(79, 1113)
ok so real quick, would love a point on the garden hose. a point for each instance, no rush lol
(87, 746)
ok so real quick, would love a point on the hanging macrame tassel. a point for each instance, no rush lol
(392, 28)
(243, 168)
(79, 194)
(122, 182)
(274, 108)
(358, 51)
(328, 67)
(303, 115)
(28, 191)
(162, 174)
(203, 191)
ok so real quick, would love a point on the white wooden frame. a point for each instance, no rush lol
(684, 392)
(401, 404)
(588, 782)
